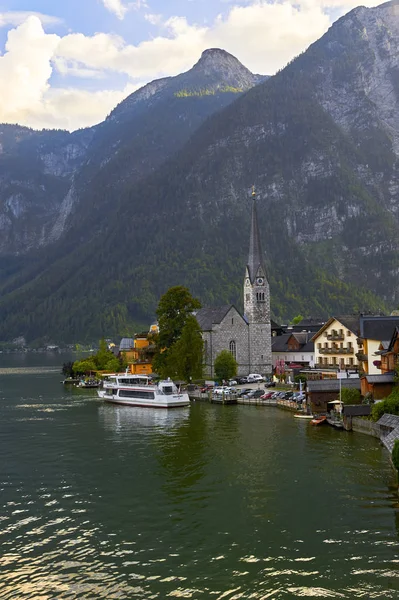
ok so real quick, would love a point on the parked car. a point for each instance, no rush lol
(242, 380)
(267, 395)
(254, 394)
(232, 382)
(206, 388)
(270, 384)
(244, 391)
(223, 389)
(254, 378)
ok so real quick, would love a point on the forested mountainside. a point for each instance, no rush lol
(320, 140)
(51, 181)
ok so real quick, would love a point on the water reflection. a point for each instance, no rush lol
(121, 420)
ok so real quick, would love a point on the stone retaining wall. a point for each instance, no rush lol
(366, 427)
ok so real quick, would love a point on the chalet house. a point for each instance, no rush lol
(389, 352)
(336, 343)
(374, 331)
(380, 385)
(294, 349)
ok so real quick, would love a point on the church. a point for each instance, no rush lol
(248, 336)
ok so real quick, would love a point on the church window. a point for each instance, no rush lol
(232, 320)
(206, 350)
(232, 348)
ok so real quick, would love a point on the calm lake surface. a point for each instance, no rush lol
(215, 502)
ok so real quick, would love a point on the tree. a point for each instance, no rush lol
(185, 359)
(86, 366)
(173, 310)
(297, 319)
(67, 369)
(350, 396)
(225, 365)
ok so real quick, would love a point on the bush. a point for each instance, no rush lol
(350, 396)
(395, 454)
(390, 405)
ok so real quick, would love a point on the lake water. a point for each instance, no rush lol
(210, 502)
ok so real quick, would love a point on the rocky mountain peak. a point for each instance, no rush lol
(216, 63)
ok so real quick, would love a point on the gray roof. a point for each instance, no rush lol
(126, 344)
(356, 410)
(332, 385)
(255, 257)
(279, 343)
(388, 420)
(207, 317)
(351, 322)
(378, 328)
(383, 378)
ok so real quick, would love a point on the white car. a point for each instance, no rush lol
(223, 389)
(254, 378)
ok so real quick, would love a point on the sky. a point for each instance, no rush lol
(66, 64)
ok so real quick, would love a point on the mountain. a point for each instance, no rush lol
(320, 142)
(47, 177)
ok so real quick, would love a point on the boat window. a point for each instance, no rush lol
(137, 394)
(167, 389)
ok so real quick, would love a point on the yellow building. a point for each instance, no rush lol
(139, 351)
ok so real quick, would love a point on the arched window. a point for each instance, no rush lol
(232, 348)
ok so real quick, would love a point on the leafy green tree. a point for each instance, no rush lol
(86, 366)
(350, 396)
(173, 310)
(185, 358)
(103, 356)
(225, 365)
(297, 319)
(395, 454)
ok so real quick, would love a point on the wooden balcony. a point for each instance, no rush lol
(336, 350)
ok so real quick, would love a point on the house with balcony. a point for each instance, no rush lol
(336, 344)
(374, 332)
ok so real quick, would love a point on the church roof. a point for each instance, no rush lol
(207, 317)
(255, 259)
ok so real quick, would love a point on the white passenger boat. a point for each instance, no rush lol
(137, 390)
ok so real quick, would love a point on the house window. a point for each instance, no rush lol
(232, 348)
(351, 362)
(232, 320)
(319, 346)
(349, 333)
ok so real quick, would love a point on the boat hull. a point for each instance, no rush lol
(170, 403)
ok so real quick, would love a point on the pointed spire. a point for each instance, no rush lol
(255, 259)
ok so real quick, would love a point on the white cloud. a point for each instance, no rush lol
(153, 19)
(119, 8)
(263, 35)
(116, 7)
(18, 17)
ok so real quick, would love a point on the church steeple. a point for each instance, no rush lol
(255, 249)
(257, 302)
